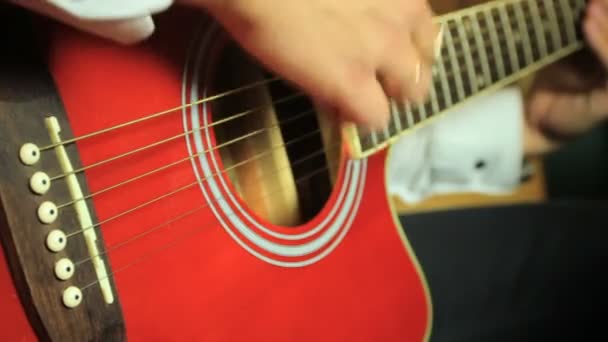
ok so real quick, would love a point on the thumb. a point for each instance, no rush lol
(598, 104)
(539, 106)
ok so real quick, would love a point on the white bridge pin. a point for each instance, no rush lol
(29, 154)
(40, 183)
(72, 297)
(48, 212)
(56, 240)
(64, 269)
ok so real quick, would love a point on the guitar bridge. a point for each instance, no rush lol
(72, 295)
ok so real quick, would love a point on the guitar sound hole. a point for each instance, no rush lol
(280, 155)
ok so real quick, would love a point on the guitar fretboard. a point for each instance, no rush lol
(484, 48)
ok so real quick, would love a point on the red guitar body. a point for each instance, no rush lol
(223, 273)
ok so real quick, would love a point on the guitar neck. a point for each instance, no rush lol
(484, 48)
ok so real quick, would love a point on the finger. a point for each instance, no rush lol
(603, 3)
(598, 103)
(360, 98)
(539, 106)
(425, 37)
(598, 13)
(404, 75)
(535, 142)
(568, 115)
(596, 29)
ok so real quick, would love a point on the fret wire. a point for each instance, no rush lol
(422, 115)
(454, 62)
(401, 112)
(523, 33)
(566, 11)
(544, 17)
(433, 98)
(385, 131)
(483, 56)
(556, 33)
(374, 138)
(504, 39)
(509, 37)
(563, 25)
(573, 5)
(451, 92)
(409, 116)
(415, 114)
(495, 43)
(522, 39)
(536, 17)
(472, 75)
(440, 72)
(440, 94)
(532, 29)
(395, 115)
(395, 128)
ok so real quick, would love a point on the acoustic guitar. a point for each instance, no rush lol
(177, 191)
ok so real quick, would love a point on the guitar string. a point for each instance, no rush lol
(185, 187)
(162, 113)
(166, 246)
(177, 108)
(193, 211)
(209, 150)
(181, 135)
(141, 206)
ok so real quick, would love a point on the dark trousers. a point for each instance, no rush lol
(522, 273)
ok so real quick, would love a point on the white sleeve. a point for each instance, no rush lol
(124, 21)
(474, 148)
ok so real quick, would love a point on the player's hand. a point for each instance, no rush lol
(348, 55)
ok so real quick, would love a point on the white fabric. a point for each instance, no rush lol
(124, 21)
(442, 157)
